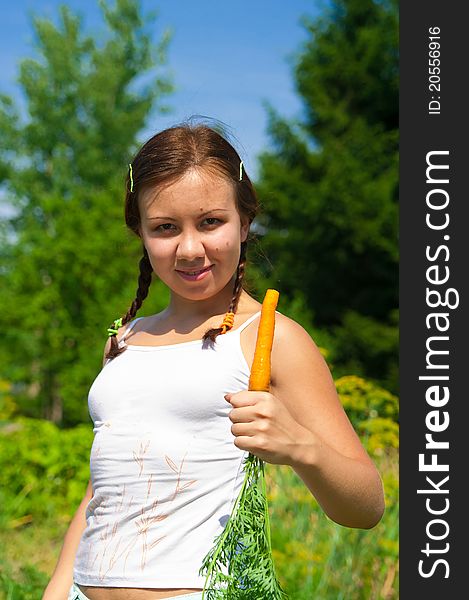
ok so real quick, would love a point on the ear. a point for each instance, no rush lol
(244, 229)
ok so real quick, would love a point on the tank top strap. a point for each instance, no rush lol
(129, 328)
(246, 322)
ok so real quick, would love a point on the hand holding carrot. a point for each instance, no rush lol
(266, 433)
(263, 425)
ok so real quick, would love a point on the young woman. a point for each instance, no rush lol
(173, 419)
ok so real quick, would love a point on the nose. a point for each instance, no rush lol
(190, 246)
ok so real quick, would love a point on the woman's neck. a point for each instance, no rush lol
(186, 309)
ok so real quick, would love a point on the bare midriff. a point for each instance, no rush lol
(115, 593)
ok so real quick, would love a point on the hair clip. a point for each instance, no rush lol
(113, 330)
(131, 178)
(227, 322)
(240, 170)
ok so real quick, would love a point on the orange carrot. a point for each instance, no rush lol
(259, 380)
(249, 518)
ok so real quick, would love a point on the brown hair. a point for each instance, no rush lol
(163, 159)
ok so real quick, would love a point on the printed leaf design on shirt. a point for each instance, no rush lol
(129, 505)
(172, 464)
(119, 508)
(143, 525)
(178, 471)
(150, 481)
(157, 541)
(187, 484)
(114, 529)
(148, 519)
(138, 457)
(113, 559)
(103, 535)
(109, 537)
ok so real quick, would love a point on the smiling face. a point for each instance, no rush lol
(193, 232)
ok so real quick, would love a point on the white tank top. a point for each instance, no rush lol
(164, 469)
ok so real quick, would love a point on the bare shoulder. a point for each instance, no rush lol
(292, 341)
(297, 363)
(297, 360)
(287, 326)
(302, 380)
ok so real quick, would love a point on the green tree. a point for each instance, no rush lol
(329, 186)
(67, 260)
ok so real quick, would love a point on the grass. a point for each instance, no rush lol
(316, 558)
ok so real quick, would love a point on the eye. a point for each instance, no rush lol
(164, 227)
(170, 227)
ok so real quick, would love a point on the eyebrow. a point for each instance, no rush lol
(201, 214)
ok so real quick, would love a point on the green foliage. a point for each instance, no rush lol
(361, 340)
(373, 412)
(8, 406)
(43, 470)
(317, 558)
(68, 266)
(314, 557)
(28, 585)
(244, 547)
(329, 185)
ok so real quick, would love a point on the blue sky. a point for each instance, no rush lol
(225, 58)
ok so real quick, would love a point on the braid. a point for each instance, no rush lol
(228, 320)
(144, 281)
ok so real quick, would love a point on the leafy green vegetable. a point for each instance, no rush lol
(244, 546)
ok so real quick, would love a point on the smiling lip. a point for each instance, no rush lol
(199, 274)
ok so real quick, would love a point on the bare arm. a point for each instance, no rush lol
(329, 456)
(62, 577)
